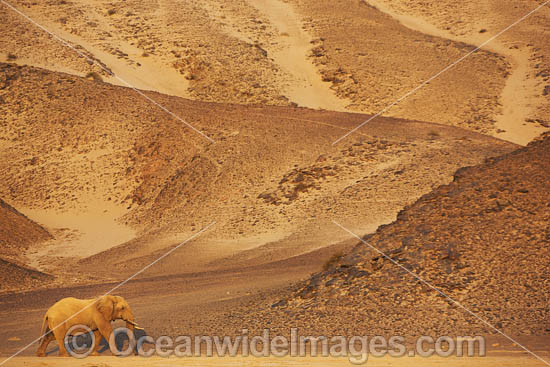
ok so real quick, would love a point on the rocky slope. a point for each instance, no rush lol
(483, 240)
(17, 232)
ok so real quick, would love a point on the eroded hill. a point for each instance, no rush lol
(482, 240)
(345, 56)
(100, 167)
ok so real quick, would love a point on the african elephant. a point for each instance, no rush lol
(96, 313)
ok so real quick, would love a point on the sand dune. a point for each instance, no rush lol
(291, 53)
(79, 233)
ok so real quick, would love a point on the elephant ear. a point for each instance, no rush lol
(105, 305)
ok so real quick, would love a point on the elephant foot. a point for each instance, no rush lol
(40, 354)
(94, 353)
(64, 354)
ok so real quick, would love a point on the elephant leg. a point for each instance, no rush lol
(105, 330)
(46, 339)
(97, 343)
(59, 334)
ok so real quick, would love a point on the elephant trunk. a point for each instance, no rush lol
(130, 323)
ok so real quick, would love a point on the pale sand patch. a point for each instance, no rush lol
(518, 98)
(307, 89)
(79, 233)
(24, 60)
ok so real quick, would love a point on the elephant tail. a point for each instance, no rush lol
(45, 330)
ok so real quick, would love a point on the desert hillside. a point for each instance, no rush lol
(231, 164)
(482, 240)
(315, 54)
(99, 168)
(507, 28)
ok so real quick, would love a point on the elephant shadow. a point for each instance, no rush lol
(85, 341)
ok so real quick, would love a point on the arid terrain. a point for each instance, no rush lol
(481, 240)
(118, 190)
(357, 56)
(238, 160)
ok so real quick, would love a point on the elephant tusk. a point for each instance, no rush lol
(133, 323)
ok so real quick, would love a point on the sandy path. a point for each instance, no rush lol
(504, 361)
(291, 55)
(518, 100)
(518, 97)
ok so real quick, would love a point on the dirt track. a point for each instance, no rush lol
(165, 304)
(189, 304)
(502, 360)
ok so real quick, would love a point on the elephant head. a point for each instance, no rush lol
(116, 308)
